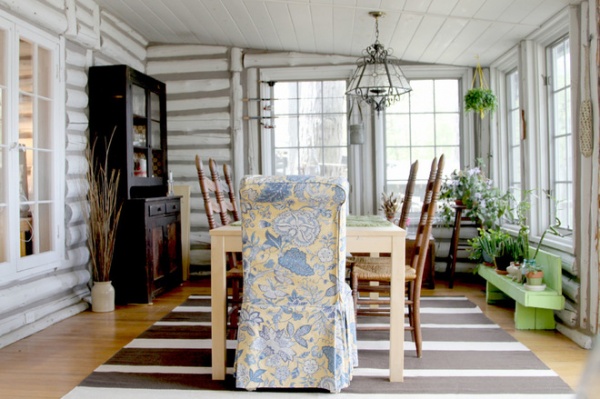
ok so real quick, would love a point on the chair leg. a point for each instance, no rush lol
(417, 326)
(236, 301)
(355, 293)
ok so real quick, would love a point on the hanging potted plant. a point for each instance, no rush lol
(480, 99)
(104, 211)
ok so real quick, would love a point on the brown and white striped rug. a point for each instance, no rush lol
(465, 355)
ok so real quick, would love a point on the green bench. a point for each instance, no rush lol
(534, 310)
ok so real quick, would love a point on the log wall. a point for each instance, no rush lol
(32, 302)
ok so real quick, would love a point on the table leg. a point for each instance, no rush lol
(397, 311)
(218, 289)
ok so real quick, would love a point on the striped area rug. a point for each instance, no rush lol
(465, 355)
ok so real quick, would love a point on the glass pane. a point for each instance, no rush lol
(155, 126)
(286, 161)
(286, 106)
(25, 120)
(44, 228)
(154, 106)
(421, 96)
(25, 176)
(515, 167)
(310, 133)
(44, 124)
(139, 133)
(157, 164)
(334, 99)
(446, 95)
(398, 130)
(26, 234)
(138, 100)
(3, 138)
(44, 173)
(286, 132)
(398, 164)
(3, 65)
(310, 161)
(447, 129)
(3, 235)
(25, 66)
(334, 130)
(422, 130)
(45, 72)
(335, 162)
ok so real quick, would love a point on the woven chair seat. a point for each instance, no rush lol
(380, 271)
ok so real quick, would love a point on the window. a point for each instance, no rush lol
(560, 134)
(31, 201)
(513, 128)
(422, 125)
(310, 135)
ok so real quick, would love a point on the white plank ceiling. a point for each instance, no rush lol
(452, 32)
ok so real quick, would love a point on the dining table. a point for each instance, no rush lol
(369, 233)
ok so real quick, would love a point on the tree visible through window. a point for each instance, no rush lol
(310, 133)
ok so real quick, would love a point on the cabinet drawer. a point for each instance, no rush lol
(172, 206)
(156, 209)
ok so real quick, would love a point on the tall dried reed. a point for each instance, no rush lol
(104, 210)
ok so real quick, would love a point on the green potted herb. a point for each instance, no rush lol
(480, 100)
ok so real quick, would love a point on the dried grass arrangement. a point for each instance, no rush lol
(104, 211)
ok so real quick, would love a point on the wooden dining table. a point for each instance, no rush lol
(363, 234)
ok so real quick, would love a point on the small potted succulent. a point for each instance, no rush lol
(390, 205)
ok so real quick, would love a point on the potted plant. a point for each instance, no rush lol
(531, 269)
(495, 244)
(483, 202)
(480, 99)
(390, 205)
(103, 217)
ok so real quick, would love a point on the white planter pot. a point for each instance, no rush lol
(103, 296)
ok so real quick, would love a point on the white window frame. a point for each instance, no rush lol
(48, 260)
(530, 59)
(365, 169)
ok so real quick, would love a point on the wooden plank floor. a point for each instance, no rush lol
(52, 362)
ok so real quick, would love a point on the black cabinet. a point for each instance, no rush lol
(127, 111)
(133, 105)
(148, 252)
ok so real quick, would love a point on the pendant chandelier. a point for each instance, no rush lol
(378, 80)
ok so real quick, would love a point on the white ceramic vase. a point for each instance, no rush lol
(103, 296)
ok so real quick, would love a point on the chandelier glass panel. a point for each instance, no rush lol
(378, 80)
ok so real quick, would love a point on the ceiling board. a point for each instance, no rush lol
(428, 31)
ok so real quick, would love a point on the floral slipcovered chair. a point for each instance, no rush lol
(297, 326)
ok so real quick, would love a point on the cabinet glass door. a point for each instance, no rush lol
(139, 133)
(155, 130)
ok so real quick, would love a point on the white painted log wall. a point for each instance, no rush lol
(199, 120)
(32, 303)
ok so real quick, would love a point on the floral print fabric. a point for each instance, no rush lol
(297, 326)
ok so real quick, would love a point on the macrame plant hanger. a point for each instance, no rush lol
(585, 112)
(482, 83)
